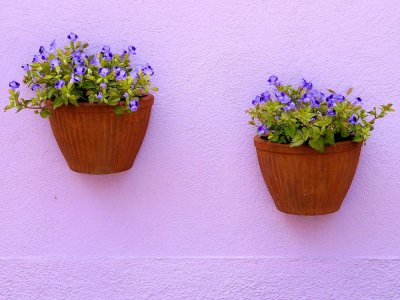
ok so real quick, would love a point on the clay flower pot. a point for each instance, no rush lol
(303, 181)
(94, 140)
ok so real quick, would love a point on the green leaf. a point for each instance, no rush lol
(119, 110)
(154, 88)
(329, 137)
(44, 113)
(58, 102)
(297, 139)
(317, 144)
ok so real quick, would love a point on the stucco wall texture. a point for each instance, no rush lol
(193, 219)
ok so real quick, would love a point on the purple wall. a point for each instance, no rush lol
(193, 218)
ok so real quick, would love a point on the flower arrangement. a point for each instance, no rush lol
(69, 75)
(303, 115)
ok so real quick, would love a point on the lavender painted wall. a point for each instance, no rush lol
(193, 218)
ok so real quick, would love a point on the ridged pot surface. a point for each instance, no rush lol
(94, 140)
(303, 181)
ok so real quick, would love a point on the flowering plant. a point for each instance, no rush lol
(303, 115)
(69, 76)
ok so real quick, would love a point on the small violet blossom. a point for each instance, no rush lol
(105, 49)
(306, 85)
(121, 74)
(104, 72)
(273, 80)
(99, 95)
(25, 67)
(55, 62)
(358, 101)
(53, 47)
(95, 61)
(103, 85)
(107, 56)
(132, 50)
(353, 119)
(282, 97)
(331, 112)
(148, 70)
(289, 106)
(79, 70)
(133, 105)
(59, 84)
(262, 129)
(72, 37)
(265, 97)
(35, 87)
(14, 85)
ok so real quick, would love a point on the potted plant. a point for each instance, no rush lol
(309, 143)
(98, 104)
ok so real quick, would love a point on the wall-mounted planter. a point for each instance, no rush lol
(94, 140)
(303, 181)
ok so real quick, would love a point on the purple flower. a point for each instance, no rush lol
(262, 129)
(107, 56)
(14, 85)
(282, 97)
(55, 62)
(104, 72)
(103, 85)
(75, 78)
(265, 97)
(273, 80)
(315, 103)
(52, 46)
(121, 74)
(123, 54)
(353, 119)
(358, 101)
(313, 119)
(59, 84)
(148, 70)
(133, 105)
(36, 58)
(339, 97)
(99, 95)
(79, 70)
(41, 50)
(131, 50)
(35, 87)
(44, 56)
(72, 37)
(105, 49)
(306, 85)
(78, 57)
(331, 101)
(330, 112)
(135, 71)
(289, 106)
(25, 67)
(126, 95)
(95, 61)
(256, 100)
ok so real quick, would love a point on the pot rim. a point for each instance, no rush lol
(146, 100)
(267, 146)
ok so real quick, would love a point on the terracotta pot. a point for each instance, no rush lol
(303, 181)
(94, 140)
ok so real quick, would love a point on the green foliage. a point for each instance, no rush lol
(88, 87)
(305, 116)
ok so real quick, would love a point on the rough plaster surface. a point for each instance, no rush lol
(195, 189)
